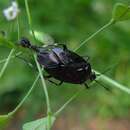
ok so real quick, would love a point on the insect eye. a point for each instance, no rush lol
(25, 42)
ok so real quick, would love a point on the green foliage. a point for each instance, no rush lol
(40, 124)
(72, 23)
(43, 37)
(121, 12)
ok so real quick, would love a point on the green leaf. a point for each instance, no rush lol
(121, 12)
(43, 37)
(40, 124)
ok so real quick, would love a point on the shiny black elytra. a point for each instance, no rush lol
(61, 63)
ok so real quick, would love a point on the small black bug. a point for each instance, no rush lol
(61, 63)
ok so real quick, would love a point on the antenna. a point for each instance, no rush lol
(25, 61)
(106, 88)
(108, 69)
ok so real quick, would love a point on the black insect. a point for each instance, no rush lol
(61, 63)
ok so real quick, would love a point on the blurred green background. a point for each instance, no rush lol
(70, 22)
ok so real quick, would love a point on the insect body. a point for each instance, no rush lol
(62, 64)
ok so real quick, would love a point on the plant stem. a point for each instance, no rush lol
(6, 63)
(28, 14)
(29, 92)
(46, 94)
(40, 71)
(103, 79)
(9, 56)
(94, 34)
(4, 60)
(66, 104)
(44, 85)
(18, 25)
(29, 18)
(112, 83)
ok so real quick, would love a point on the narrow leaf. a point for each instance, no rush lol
(43, 37)
(40, 124)
(121, 12)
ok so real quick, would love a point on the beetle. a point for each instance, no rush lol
(61, 63)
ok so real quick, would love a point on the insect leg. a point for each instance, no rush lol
(106, 88)
(27, 62)
(108, 69)
(47, 76)
(57, 84)
(86, 86)
(52, 82)
(86, 58)
(63, 45)
(61, 82)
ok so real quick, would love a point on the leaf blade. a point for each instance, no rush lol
(40, 124)
(121, 12)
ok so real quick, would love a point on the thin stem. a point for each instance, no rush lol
(18, 25)
(6, 63)
(44, 85)
(67, 103)
(94, 34)
(103, 79)
(4, 60)
(10, 54)
(28, 14)
(40, 72)
(29, 18)
(28, 93)
(112, 83)
(46, 94)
